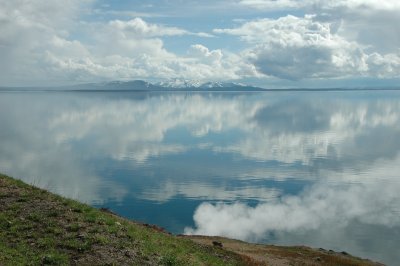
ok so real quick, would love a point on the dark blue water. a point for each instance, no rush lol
(311, 168)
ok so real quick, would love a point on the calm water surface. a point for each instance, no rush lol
(311, 168)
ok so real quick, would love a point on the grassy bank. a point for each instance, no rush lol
(38, 227)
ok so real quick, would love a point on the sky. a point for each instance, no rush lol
(268, 43)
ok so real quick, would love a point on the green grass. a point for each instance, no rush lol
(37, 227)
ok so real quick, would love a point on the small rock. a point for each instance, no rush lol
(217, 244)
(128, 254)
(118, 223)
(318, 259)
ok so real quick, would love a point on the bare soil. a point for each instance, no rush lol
(281, 256)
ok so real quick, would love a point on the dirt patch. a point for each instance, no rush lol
(281, 256)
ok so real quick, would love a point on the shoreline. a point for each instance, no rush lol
(39, 227)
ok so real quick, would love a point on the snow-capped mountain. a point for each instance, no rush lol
(221, 85)
(172, 85)
(179, 83)
(182, 84)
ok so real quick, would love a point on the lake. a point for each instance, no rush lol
(291, 168)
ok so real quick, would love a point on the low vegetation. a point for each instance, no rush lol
(40, 228)
(37, 227)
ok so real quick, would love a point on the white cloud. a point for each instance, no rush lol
(204, 54)
(347, 38)
(353, 4)
(129, 52)
(369, 23)
(133, 49)
(28, 28)
(138, 28)
(384, 65)
(44, 43)
(41, 45)
(321, 4)
(305, 47)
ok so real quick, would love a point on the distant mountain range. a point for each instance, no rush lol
(140, 85)
(174, 85)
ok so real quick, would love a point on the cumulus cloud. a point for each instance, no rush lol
(307, 47)
(140, 28)
(296, 48)
(43, 47)
(362, 40)
(54, 43)
(369, 23)
(134, 49)
(202, 52)
(28, 28)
